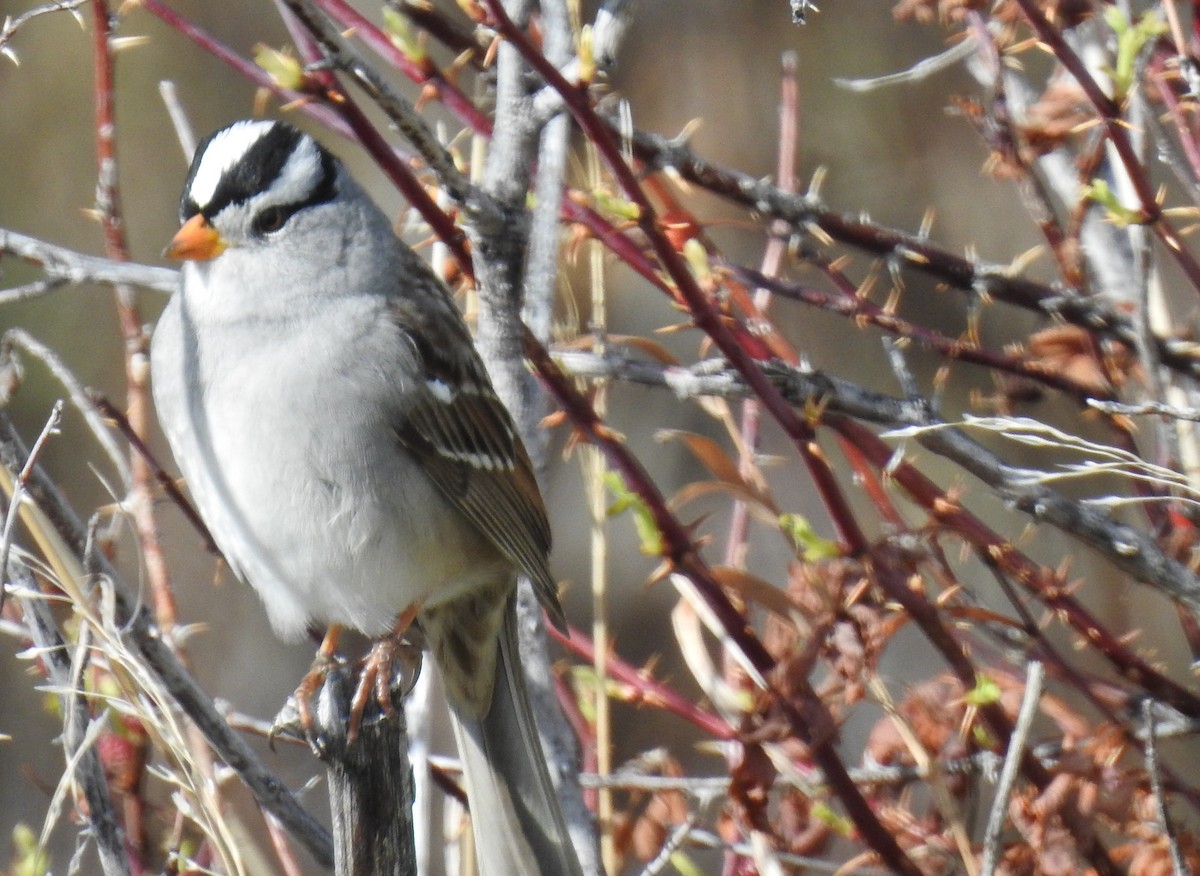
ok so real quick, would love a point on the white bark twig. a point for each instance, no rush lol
(71, 267)
(670, 845)
(1034, 677)
(179, 120)
(12, 25)
(18, 492)
(1143, 409)
(1178, 864)
(78, 394)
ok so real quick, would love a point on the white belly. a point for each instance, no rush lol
(294, 466)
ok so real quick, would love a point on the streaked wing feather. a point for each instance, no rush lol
(466, 442)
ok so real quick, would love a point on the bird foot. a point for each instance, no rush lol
(389, 672)
(296, 719)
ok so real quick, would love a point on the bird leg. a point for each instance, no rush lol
(376, 674)
(306, 692)
(310, 685)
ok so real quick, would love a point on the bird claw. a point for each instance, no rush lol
(296, 719)
(389, 672)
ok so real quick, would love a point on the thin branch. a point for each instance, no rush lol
(714, 377)
(179, 120)
(644, 689)
(252, 72)
(17, 496)
(1145, 408)
(20, 339)
(75, 268)
(168, 484)
(862, 310)
(420, 71)
(677, 837)
(807, 214)
(1034, 676)
(54, 655)
(1126, 547)
(11, 25)
(270, 792)
(1178, 863)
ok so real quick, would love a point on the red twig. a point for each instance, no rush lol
(862, 310)
(805, 714)
(423, 73)
(647, 690)
(138, 403)
(210, 44)
(1114, 126)
(997, 551)
(337, 98)
(702, 310)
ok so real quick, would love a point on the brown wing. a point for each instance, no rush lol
(465, 439)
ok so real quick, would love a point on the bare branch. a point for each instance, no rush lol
(1178, 863)
(89, 772)
(11, 25)
(75, 268)
(270, 792)
(1012, 764)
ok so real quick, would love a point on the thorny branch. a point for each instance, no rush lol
(839, 604)
(11, 25)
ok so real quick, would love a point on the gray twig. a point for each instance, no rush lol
(131, 617)
(1034, 677)
(540, 287)
(1178, 863)
(714, 377)
(73, 267)
(1144, 409)
(370, 784)
(1127, 548)
(179, 120)
(18, 491)
(12, 25)
(500, 254)
(89, 772)
(671, 844)
(76, 392)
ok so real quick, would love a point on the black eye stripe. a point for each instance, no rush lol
(256, 171)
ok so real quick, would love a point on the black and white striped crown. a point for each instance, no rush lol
(268, 161)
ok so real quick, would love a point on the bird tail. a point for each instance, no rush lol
(515, 814)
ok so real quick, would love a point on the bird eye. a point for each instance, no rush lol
(270, 219)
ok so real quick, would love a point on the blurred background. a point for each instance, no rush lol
(893, 153)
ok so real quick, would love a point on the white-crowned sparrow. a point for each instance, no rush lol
(344, 445)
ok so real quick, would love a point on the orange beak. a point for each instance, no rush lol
(196, 241)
